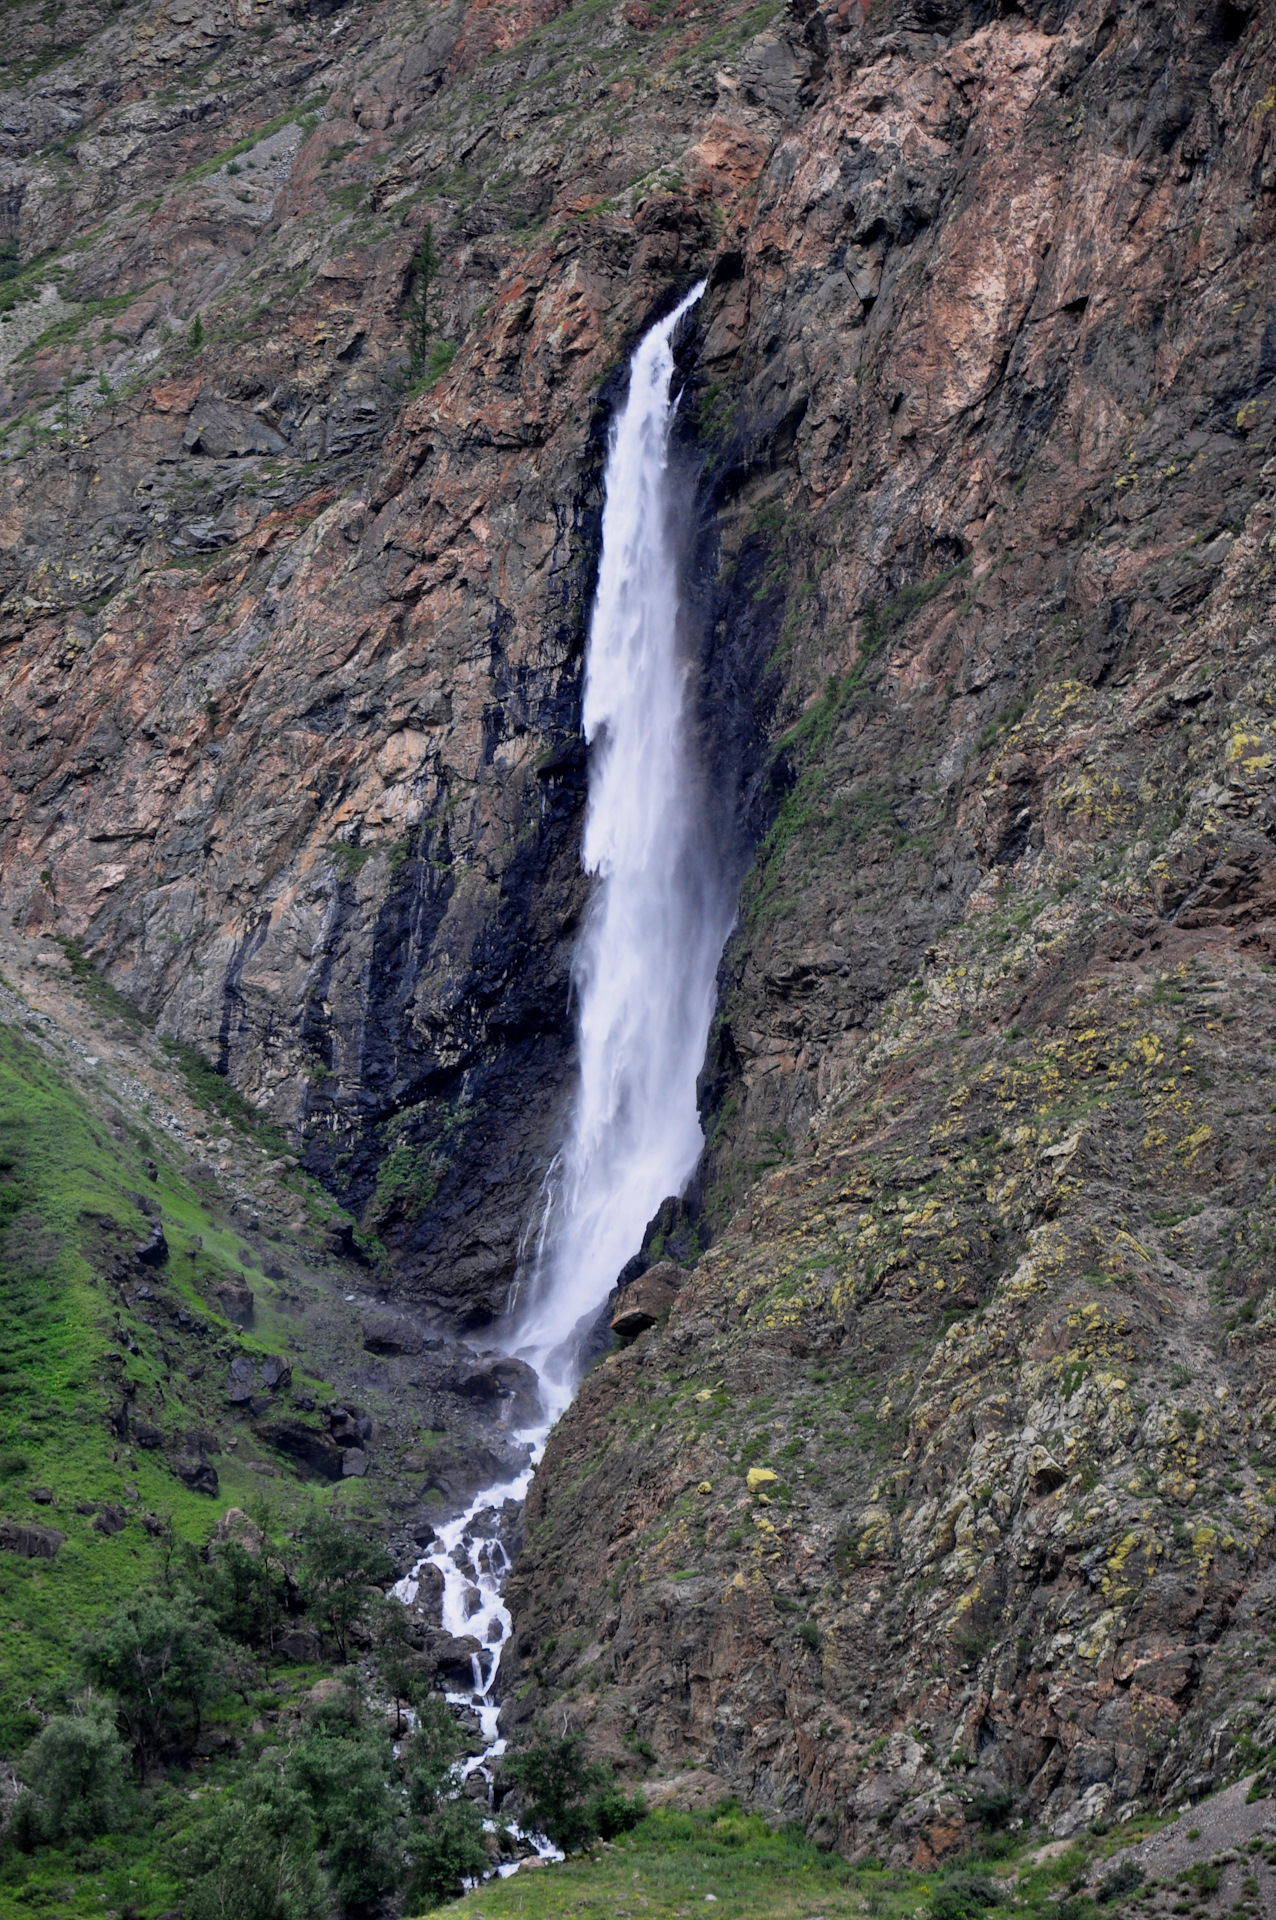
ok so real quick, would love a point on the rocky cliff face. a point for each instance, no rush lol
(978, 419)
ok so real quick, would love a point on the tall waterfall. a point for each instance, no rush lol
(644, 973)
(646, 964)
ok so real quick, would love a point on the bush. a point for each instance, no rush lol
(1124, 1879)
(346, 1778)
(559, 1785)
(991, 1809)
(431, 1755)
(75, 1770)
(162, 1660)
(447, 1852)
(964, 1897)
(254, 1859)
(612, 1811)
(568, 1798)
(337, 1568)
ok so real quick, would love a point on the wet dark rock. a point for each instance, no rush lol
(110, 1520)
(453, 1657)
(199, 1475)
(235, 1297)
(146, 1435)
(30, 1541)
(276, 1372)
(390, 1333)
(153, 1251)
(240, 1380)
(647, 1298)
(314, 1451)
(43, 1496)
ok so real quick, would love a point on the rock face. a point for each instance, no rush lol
(977, 442)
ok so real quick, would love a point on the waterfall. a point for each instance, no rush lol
(644, 973)
(646, 965)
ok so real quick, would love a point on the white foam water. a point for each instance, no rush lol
(646, 966)
(644, 974)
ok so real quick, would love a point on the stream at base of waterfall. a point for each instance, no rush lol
(644, 973)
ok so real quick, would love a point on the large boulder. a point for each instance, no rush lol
(197, 1474)
(314, 1451)
(647, 1299)
(31, 1541)
(389, 1333)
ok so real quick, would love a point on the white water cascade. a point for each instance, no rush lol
(645, 973)
(646, 966)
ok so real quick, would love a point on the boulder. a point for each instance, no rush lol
(235, 1525)
(145, 1435)
(240, 1380)
(276, 1372)
(354, 1463)
(314, 1451)
(647, 1299)
(224, 432)
(153, 1251)
(109, 1521)
(235, 1298)
(388, 1333)
(1044, 1472)
(510, 1385)
(199, 1475)
(301, 1645)
(453, 1657)
(43, 1496)
(31, 1541)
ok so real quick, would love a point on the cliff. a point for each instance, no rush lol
(977, 426)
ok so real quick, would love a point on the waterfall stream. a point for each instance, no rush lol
(644, 973)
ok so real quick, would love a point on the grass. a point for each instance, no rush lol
(68, 1177)
(674, 1860)
(737, 1867)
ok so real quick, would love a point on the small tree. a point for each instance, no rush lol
(396, 1658)
(557, 1781)
(338, 1566)
(430, 1756)
(161, 1660)
(195, 339)
(75, 1769)
(569, 1798)
(346, 1777)
(446, 1852)
(254, 1859)
(416, 308)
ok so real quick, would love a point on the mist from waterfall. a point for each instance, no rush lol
(646, 964)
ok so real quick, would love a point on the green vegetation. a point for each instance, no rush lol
(670, 1864)
(569, 1798)
(418, 323)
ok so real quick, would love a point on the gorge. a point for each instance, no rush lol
(344, 870)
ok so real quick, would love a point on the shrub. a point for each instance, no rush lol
(559, 1784)
(447, 1852)
(346, 1778)
(162, 1660)
(964, 1897)
(991, 1809)
(75, 1770)
(431, 1755)
(1124, 1879)
(254, 1858)
(337, 1568)
(612, 1811)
